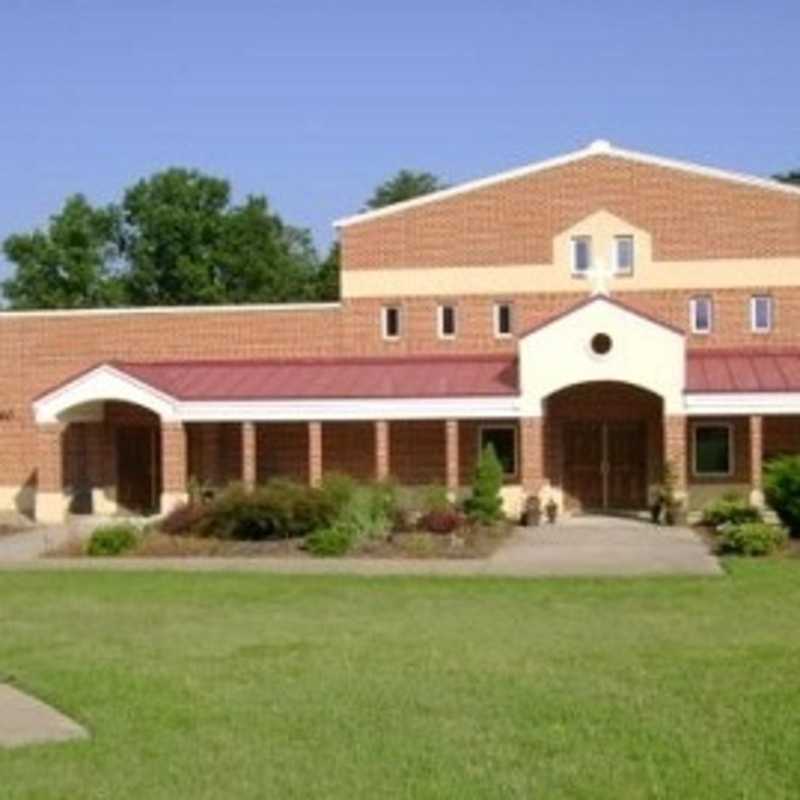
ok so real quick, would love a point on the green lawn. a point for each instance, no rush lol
(246, 686)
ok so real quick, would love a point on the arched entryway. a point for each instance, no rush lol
(604, 445)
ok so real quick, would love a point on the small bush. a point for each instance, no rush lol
(420, 545)
(112, 540)
(485, 504)
(183, 518)
(782, 490)
(434, 498)
(441, 521)
(752, 539)
(336, 540)
(730, 508)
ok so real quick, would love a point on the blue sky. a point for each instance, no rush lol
(314, 103)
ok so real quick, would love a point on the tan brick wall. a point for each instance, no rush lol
(349, 447)
(417, 451)
(173, 457)
(513, 222)
(282, 451)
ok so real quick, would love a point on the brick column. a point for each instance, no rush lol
(756, 460)
(675, 450)
(451, 455)
(315, 453)
(52, 503)
(531, 445)
(249, 457)
(382, 456)
(173, 465)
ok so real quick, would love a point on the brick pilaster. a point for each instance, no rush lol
(315, 453)
(675, 449)
(50, 456)
(382, 454)
(531, 445)
(173, 458)
(756, 459)
(249, 455)
(451, 450)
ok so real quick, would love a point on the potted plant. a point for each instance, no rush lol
(533, 511)
(551, 509)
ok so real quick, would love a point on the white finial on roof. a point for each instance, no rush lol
(600, 146)
(600, 277)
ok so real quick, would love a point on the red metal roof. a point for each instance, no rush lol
(764, 370)
(416, 376)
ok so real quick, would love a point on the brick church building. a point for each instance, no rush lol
(593, 316)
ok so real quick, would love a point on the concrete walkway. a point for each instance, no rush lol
(595, 545)
(25, 720)
(35, 542)
(601, 546)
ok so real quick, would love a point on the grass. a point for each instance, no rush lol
(250, 686)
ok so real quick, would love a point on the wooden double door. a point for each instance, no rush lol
(605, 465)
(138, 468)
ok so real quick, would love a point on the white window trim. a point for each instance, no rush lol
(770, 313)
(505, 427)
(625, 272)
(731, 450)
(576, 273)
(385, 326)
(693, 313)
(440, 321)
(498, 334)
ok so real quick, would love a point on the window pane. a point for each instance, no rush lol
(762, 313)
(582, 254)
(392, 322)
(448, 320)
(504, 319)
(712, 450)
(702, 314)
(624, 253)
(503, 440)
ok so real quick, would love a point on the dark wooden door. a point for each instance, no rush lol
(626, 465)
(583, 464)
(605, 465)
(138, 459)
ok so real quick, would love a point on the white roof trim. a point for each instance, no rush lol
(713, 404)
(599, 147)
(226, 309)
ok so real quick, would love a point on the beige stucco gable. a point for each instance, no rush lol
(643, 353)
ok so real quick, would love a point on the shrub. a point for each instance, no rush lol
(335, 540)
(782, 490)
(441, 521)
(278, 509)
(339, 489)
(752, 539)
(485, 504)
(434, 498)
(183, 518)
(112, 540)
(730, 508)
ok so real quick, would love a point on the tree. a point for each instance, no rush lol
(485, 504)
(327, 281)
(68, 265)
(403, 186)
(793, 176)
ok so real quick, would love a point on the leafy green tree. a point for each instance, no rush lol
(485, 503)
(327, 281)
(403, 186)
(793, 176)
(70, 264)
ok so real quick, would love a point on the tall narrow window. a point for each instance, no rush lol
(761, 313)
(447, 322)
(390, 322)
(623, 255)
(702, 313)
(581, 254)
(502, 320)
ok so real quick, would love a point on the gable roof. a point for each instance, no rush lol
(587, 301)
(600, 147)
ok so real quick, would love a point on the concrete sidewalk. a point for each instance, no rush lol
(587, 546)
(25, 720)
